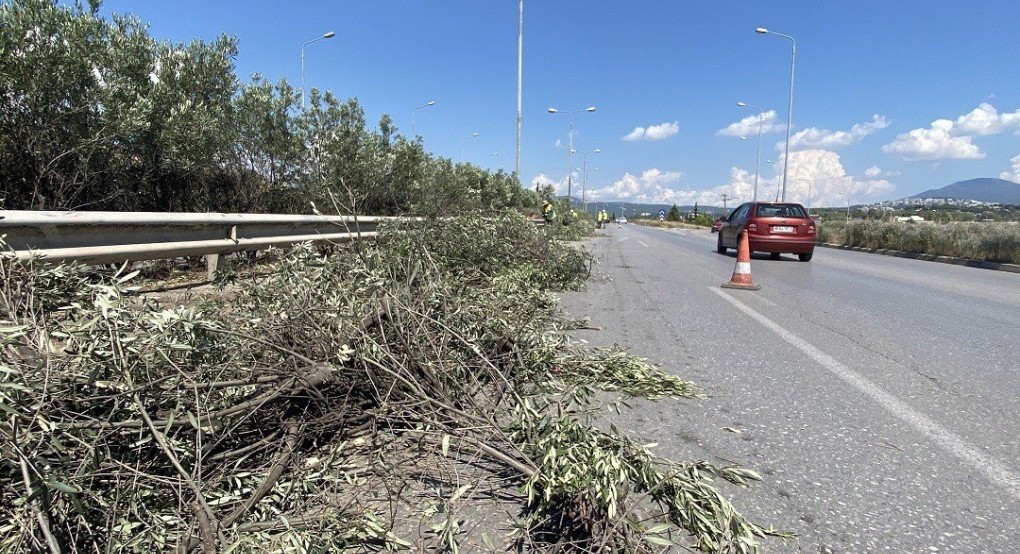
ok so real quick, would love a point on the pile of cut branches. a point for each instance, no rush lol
(323, 406)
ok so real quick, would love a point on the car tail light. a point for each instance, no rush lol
(752, 227)
(811, 229)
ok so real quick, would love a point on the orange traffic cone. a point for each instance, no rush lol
(742, 270)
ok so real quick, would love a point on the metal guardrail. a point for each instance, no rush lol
(109, 237)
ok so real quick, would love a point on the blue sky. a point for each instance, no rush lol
(890, 98)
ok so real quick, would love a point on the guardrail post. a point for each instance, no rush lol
(212, 263)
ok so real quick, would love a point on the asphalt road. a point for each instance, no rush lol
(878, 396)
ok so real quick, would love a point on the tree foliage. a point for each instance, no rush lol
(97, 114)
(674, 214)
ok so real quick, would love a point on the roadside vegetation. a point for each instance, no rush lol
(363, 398)
(366, 396)
(98, 115)
(994, 242)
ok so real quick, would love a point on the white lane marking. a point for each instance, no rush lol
(996, 472)
(642, 244)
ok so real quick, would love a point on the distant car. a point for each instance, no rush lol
(622, 220)
(773, 227)
(717, 224)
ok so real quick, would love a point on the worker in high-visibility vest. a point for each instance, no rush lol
(549, 211)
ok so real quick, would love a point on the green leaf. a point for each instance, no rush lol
(129, 276)
(62, 487)
(656, 539)
(659, 528)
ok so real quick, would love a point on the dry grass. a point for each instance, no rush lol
(994, 242)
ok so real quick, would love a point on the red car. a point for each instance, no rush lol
(717, 224)
(773, 227)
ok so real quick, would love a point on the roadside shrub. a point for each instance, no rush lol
(995, 242)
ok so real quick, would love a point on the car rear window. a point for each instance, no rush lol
(781, 210)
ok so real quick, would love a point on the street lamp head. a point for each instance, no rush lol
(761, 31)
(330, 34)
(474, 134)
(598, 151)
(552, 110)
(590, 109)
(743, 138)
(741, 104)
(430, 103)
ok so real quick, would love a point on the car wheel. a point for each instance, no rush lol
(806, 256)
(719, 245)
(774, 255)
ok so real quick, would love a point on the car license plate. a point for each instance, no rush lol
(782, 229)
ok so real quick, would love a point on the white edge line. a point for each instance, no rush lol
(996, 472)
(642, 244)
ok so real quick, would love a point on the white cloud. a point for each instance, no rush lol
(636, 134)
(1014, 173)
(560, 185)
(939, 142)
(662, 131)
(653, 186)
(814, 137)
(986, 120)
(541, 180)
(875, 171)
(653, 132)
(823, 173)
(749, 126)
(947, 139)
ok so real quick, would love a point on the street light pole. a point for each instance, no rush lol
(425, 105)
(330, 34)
(757, 153)
(584, 200)
(520, 77)
(584, 184)
(789, 113)
(570, 145)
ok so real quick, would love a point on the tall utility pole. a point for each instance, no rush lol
(570, 145)
(330, 34)
(757, 150)
(520, 76)
(584, 184)
(789, 111)
(725, 197)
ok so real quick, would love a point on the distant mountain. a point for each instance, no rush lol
(985, 189)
